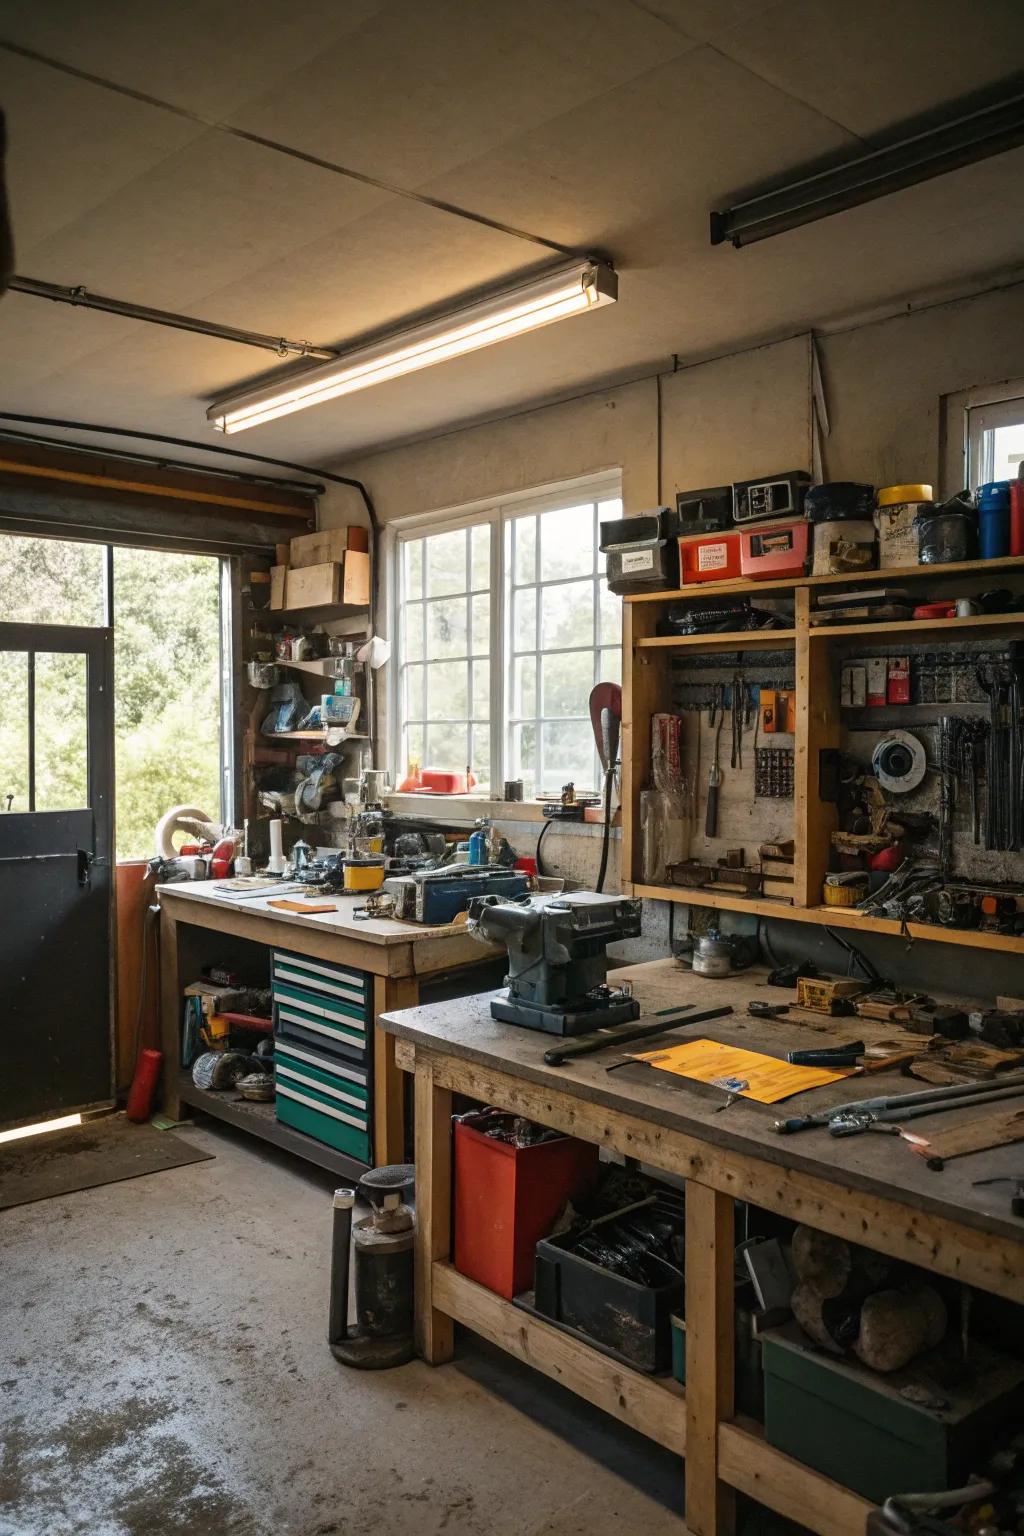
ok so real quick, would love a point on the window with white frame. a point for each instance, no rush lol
(995, 440)
(505, 626)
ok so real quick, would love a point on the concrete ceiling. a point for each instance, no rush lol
(598, 124)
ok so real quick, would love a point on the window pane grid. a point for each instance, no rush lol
(514, 627)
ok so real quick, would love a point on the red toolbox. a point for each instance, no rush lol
(774, 550)
(709, 557)
(507, 1198)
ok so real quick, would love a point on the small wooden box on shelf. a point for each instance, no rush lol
(647, 690)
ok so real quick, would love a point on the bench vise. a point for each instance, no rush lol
(557, 960)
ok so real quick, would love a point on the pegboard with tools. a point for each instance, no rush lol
(735, 705)
(906, 726)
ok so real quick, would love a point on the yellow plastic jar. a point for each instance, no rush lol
(896, 508)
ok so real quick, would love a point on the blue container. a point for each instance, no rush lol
(994, 519)
(478, 841)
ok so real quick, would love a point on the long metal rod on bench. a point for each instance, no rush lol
(656, 1025)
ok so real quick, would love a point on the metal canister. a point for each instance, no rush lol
(945, 537)
(896, 509)
(712, 955)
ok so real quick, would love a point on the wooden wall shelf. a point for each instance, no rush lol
(647, 689)
(981, 624)
(827, 917)
(730, 640)
(894, 576)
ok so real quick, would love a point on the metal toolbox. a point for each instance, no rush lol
(774, 550)
(706, 511)
(324, 1097)
(326, 1007)
(642, 555)
(774, 496)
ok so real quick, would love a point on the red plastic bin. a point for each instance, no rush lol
(709, 557)
(507, 1198)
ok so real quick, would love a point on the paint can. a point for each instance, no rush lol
(897, 508)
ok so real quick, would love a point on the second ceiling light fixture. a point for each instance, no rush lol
(556, 295)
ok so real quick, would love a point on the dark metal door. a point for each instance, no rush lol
(56, 852)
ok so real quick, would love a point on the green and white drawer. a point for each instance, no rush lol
(327, 1007)
(324, 1097)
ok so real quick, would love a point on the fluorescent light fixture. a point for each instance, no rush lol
(555, 296)
(861, 179)
(60, 1124)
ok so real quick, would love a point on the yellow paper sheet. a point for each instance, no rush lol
(768, 1079)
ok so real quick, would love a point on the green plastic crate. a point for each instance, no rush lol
(862, 1430)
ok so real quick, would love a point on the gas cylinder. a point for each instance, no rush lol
(381, 1248)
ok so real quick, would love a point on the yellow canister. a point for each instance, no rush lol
(896, 509)
(837, 892)
(364, 873)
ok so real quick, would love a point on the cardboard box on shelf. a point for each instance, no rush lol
(330, 544)
(322, 586)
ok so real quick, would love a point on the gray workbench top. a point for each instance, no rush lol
(878, 1164)
(373, 930)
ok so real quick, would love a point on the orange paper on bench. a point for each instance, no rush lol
(768, 1079)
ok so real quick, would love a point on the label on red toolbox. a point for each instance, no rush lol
(898, 690)
(712, 557)
(778, 542)
(638, 560)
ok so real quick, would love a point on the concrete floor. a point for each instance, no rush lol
(163, 1370)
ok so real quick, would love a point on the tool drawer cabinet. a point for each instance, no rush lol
(323, 1034)
(327, 1007)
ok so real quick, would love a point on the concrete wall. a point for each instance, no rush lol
(723, 420)
(885, 384)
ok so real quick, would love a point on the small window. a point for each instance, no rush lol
(506, 625)
(444, 678)
(564, 636)
(995, 441)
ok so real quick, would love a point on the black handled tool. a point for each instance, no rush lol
(714, 776)
(626, 1034)
(759, 1010)
(828, 1056)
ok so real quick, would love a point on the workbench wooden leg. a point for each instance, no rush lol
(171, 1009)
(389, 994)
(710, 1350)
(435, 1332)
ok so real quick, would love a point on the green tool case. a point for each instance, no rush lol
(323, 1052)
(921, 1429)
(326, 1098)
(327, 1007)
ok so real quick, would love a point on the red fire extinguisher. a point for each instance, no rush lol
(143, 1088)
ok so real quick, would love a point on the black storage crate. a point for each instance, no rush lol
(630, 1319)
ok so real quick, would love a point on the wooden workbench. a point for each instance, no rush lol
(398, 955)
(870, 1189)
